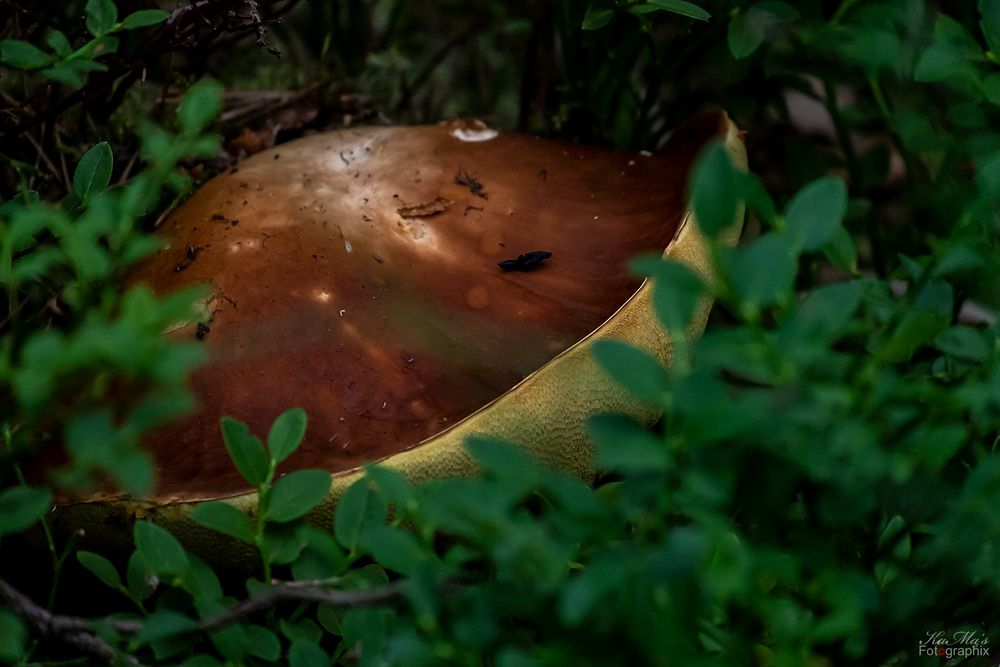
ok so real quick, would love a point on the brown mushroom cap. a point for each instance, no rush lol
(355, 274)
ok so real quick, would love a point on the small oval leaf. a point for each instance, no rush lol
(22, 506)
(101, 568)
(224, 518)
(245, 450)
(295, 494)
(161, 553)
(144, 18)
(636, 370)
(286, 434)
(814, 214)
(93, 173)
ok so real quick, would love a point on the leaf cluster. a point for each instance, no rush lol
(822, 487)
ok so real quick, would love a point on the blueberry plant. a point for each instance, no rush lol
(824, 484)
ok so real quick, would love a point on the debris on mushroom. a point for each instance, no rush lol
(427, 209)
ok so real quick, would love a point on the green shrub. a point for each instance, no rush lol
(824, 485)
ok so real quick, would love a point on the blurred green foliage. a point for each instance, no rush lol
(824, 485)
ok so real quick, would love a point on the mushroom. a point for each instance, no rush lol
(361, 276)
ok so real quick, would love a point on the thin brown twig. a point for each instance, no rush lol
(57, 136)
(180, 11)
(129, 166)
(79, 632)
(73, 631)
(44, 156)
(261, 29)
(295, 592)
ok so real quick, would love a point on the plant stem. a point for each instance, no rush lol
(50, 541)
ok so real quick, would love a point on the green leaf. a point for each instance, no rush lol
(393, 486)
(306, 654)
(58, 42)
(361, 506)
(366, 629)
(322, 557)
(161, 553)
(936, 445)
(101, 568)
(394, 548)
(872, 48)
(22, 55)
(964, 343)
(305, 629)
(750, 27)
(296, 494)
(989, 11)
(828, 309)
(201, 581)
(713, 190)
(144, 18)
(36, 264)
(762, 273)
(584, 592)
(232, 642)
(841, 251)
(688, 9)
(636, 370)
(916, 329)
(163, 624)
(133, 471)
(245, 450)
(283, 543)
(677, 293)
(93, 173)
(815, 212)
(141, 582)
(286, 434)
(67, 74)
(597, 16)
(891, 533)
(224, 518)
(625, 445)
(200, 106)
(950, 56)
(263, 643)
(101, 16)
(13, 637)
(505, 459)
(22, 506)
(751, 189)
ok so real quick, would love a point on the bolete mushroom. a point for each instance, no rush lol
(412, 286)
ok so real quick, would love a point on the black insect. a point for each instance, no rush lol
(525, 262)
(201, 331)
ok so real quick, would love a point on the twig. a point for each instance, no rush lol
(79, 632)
(302, 592)
(261, 30)
(45, 158)
(75, 632)
(128, 167)
(180, 11)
